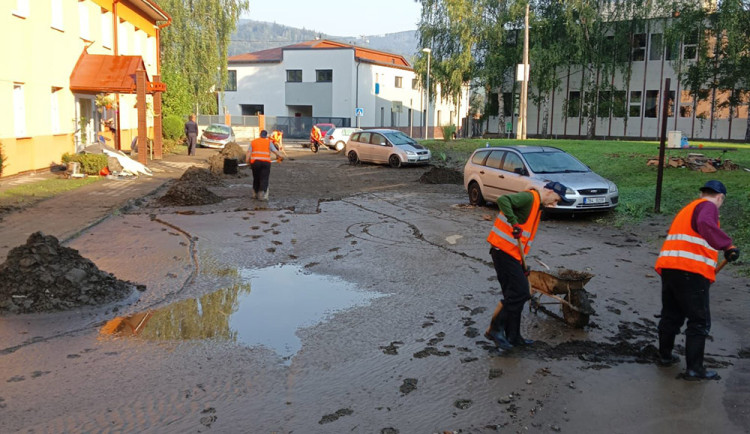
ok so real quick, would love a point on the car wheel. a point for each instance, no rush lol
(339, 146)
(475, 195)
(353, 158)
(394, 161)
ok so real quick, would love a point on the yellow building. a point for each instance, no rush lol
(68, 70)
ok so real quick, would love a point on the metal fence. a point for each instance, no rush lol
(292, 127)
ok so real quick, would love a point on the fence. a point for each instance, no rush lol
(292, 127)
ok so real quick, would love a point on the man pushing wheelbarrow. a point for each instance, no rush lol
(511, 237)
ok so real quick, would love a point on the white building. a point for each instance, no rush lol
(329, 81)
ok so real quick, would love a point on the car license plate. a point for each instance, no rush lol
(594, 200)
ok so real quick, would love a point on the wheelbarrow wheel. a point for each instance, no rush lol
(579, 299)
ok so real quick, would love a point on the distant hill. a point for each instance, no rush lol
(253, 36)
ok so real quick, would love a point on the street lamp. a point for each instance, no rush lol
(427, 110)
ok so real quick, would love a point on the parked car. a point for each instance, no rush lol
(386, 146)
(493, 172)
(216, 136)
(337, 137)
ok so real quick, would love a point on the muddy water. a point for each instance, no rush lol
(411, 360)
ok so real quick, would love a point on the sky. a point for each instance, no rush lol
(339, 17)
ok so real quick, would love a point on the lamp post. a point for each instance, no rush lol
(427, 110)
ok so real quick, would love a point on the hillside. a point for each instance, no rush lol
(253, 36)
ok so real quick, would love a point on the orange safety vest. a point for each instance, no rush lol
(501, 235)
(315, 133)
(684, 249)
(260, 150)
(276, 137)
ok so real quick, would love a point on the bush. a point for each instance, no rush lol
(91, 164)
(173, 146)
(2, 159)
(448, 132)
(172, 127)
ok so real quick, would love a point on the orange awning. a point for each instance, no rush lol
(98, 73)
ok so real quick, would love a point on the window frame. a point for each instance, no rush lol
(324, 75)
(292, 73)
(231, 85)
(635, 102)
(398, 81)
(571, 110)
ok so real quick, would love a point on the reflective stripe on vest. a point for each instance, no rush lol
(684, 249)
(501, 235)
(261, 150)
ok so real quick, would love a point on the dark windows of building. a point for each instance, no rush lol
(507, 104)
(414, 83)
(324, 75)
(398, 82)
(604, 104)
(294, 76)
(686, 104)
(656, 47)
(690, 47)
(231, 80)
(638, 48)
(574, 104)
(650, 104)
(251, 109)
(670, 104)
(635, 104)
(619, 103)
(492, 107)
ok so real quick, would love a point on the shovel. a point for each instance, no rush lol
(720, 266)
(523, 256)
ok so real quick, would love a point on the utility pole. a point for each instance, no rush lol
(525, 82)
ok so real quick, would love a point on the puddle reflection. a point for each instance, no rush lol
(266, 309)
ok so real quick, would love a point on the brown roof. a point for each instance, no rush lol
(97, 73)
(275, 55)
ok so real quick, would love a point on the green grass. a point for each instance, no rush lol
(625, 163)
(27, 194)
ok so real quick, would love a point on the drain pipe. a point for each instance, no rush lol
(356, 93)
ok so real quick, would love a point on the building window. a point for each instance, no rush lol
(686, 104)
(638, 48)
(655, 48)
(231, 81)
(22, 8)
(414, 83)
(19, 110)
(574, 104)
(398, 82)
(619, 103)
(650, 108)
(690, 47)
(604, 104)
(294, 76)
(635, 104)
(54, 109)
(324, 75)
(83, 13)
(56, 11)
(106, 29)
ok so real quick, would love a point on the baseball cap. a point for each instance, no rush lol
(714, 185)
(560, 189)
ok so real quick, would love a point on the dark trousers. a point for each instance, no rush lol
(684, 295)
(192, 141)
(513, 282)
(261, 173)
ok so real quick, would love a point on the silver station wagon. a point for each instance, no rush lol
(493, 172)
(383, 146)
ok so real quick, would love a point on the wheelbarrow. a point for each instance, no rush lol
(566, 287)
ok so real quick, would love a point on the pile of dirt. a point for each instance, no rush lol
(230, 151)
(43, 276)
(442, 175)
(697, 162)
(191, 189)
(197, 175)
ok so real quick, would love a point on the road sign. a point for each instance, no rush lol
(359, 111)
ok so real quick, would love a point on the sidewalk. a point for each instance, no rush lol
(68, 214)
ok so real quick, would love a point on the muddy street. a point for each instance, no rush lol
(355, 300)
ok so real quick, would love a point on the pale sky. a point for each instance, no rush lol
(339, 17)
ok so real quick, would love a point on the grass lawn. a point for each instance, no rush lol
(27, 194)
(625, 163)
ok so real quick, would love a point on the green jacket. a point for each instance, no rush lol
(516, 207)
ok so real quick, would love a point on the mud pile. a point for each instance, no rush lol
(231, 150)
(43, 276)
(191, 189)
(442, 175)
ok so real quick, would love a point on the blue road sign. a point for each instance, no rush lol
(359, 111)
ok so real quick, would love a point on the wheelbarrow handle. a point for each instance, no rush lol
(721, 265)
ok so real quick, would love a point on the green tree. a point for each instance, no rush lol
(194, 52)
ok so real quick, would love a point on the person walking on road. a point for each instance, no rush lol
(515, 226)
(259, 158)
(191, 132)
(687, 264)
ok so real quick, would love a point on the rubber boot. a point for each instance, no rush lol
(255, 194)
(694, 347)
(263, 195)
(666, 344)
(513, 330)
(496, 332)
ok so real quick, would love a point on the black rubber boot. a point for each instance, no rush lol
(514, 330)
(666, 344)
(694, 347)
(496, 333)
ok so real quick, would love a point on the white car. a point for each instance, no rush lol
(337, 137)
(383, 146)
(493, 172)
(216, 136)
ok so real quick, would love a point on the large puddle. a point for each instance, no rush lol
(265, 308)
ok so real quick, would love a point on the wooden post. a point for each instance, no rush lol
(158, 144)
(140, 91)
(660, 170)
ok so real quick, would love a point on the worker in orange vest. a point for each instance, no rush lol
(687, 264)
(259, 158)
(517, 220)
(316, 138)
(276, 139)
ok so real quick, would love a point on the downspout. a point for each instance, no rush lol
(356, 92)
(116, 46)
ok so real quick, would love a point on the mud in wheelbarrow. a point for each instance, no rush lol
(565, 286)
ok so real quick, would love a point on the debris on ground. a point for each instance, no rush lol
(191, 189)
(697, 162)
(442, 175)
(229, 151)
(43, 276)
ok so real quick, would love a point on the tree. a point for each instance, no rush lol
(194, 52)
